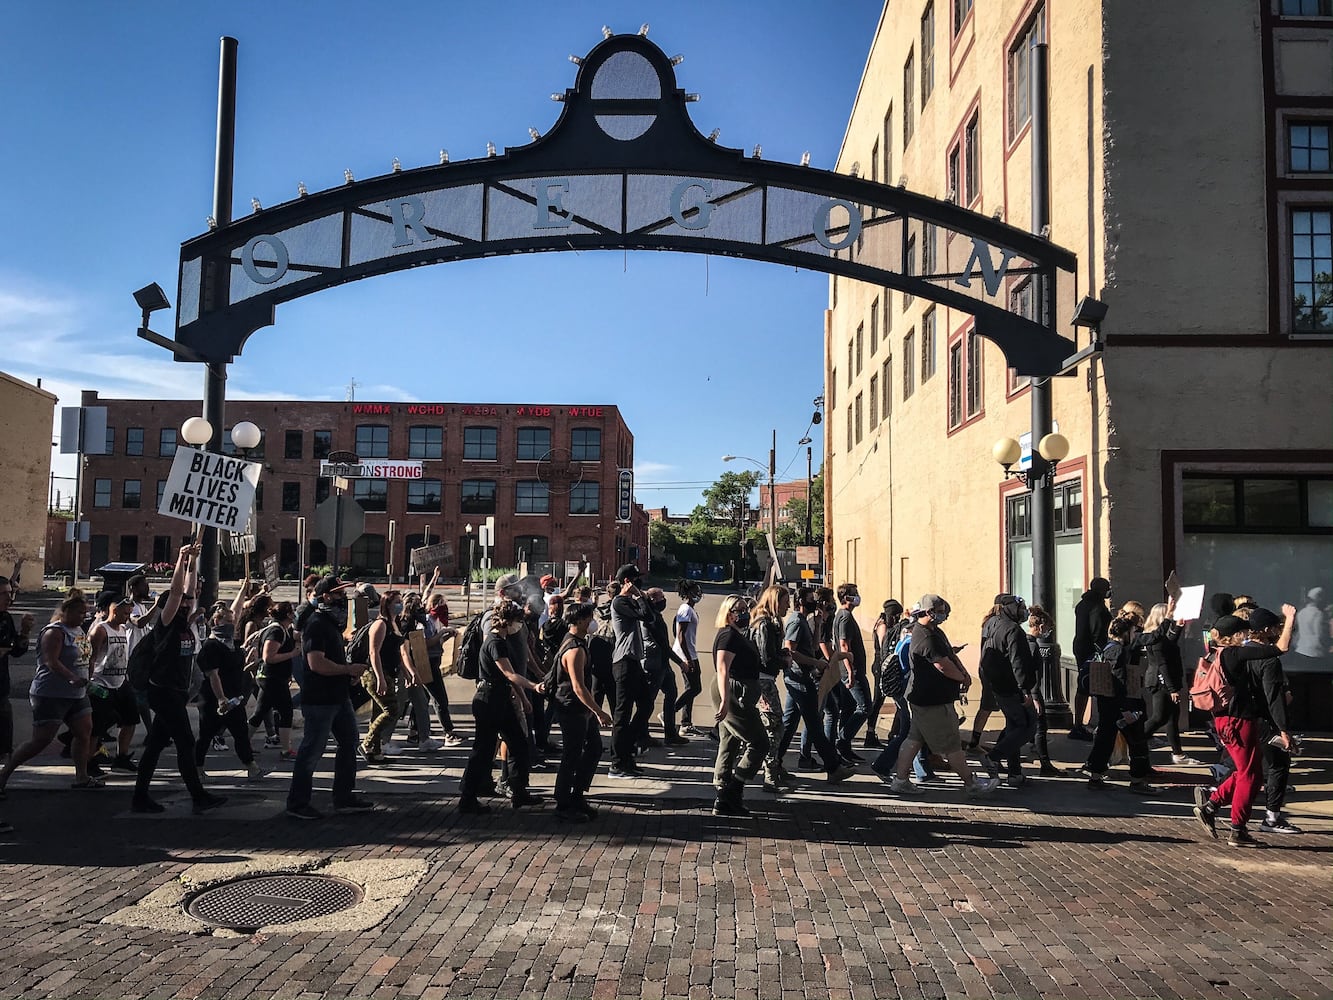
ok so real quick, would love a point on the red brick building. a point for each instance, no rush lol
(546, 472)
(784, 492)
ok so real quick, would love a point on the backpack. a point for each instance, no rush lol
(143, 660)
(253, 649)
(1212, 690)
(358, 647)
(469, 650)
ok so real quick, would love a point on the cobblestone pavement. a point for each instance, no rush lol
(849, 898)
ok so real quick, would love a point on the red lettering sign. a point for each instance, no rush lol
(479, 411)
(426, 409)
(585, 411)
(378, 409)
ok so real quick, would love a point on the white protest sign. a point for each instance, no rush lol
(210, 489)
(1189, 606)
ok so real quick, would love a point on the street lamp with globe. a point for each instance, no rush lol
(198, 431)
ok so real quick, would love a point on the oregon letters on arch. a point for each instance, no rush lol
(216, 490)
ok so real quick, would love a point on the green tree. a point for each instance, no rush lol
(729, 496)
(792, 532)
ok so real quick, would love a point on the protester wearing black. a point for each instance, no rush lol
(852, 711)
(579, 717)
(742, 741)
(277, 650)
(13, 642)
(885, 632)
(628, 609)
(1163, 676)
(1041, 640)
(1010, 668)
(175, 643)
(224, 693)
(658, 656)
(500, 709)
(1092, 617)
(1121, 712)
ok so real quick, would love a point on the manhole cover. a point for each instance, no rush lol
(263, 900)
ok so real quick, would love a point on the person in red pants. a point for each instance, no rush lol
(1255, 674)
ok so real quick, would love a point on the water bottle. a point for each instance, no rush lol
(96, 690)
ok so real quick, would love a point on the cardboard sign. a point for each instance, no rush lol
(1189, 606)
(428, 557)
(271, 570)
(215, 490)
(419, 655)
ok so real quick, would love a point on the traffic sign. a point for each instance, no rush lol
(325, 526)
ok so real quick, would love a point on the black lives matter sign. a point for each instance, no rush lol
(214, 490)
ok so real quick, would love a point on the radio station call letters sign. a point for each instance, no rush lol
(624, 496)
(209, 489)
(373, 470)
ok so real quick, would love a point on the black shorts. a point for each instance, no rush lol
(988, 702)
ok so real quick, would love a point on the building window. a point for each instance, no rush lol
(928, 345)
(874, 327)
(928, 257)
(531, 496)
(858, 417)
(961, 8)
(161, 492)
(909, 369)
(860, 346)
(323, 444)
(874, 170)
(228, 446)
(371, 494)
(851, 429)
(166, 442)
(955, 384)
(533, 550)
(367, 555)
(886, 387)
(888, 146)
(833, 390)
(974, 379)
(874, 401)
(372, 441)
(534, 443)
(585, 444)
(110, 441)
(1020, 304)
(1307, 8)
(1019, 80)
(129, 548)
(131, 494)
(1312, 270)
(293, 445)
(323, 487)
(851, 360)
(1257, 504)
(480, 444)
(586, 498)
(291, 497)
(259, 495)
(972, 160)
(134, 441)
(927, 52)
(425, 442)
(101, 492)
(954, 176)
(909, 268)
(1307, 147)
(423, 496)
(909, 99)
(478, 496)
(162, 548)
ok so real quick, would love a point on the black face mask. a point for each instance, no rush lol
(742, 619)
(336, 610)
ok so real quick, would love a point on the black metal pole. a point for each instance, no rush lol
(1042, 475)
(809, 490)
(337, 527)
(215, 374)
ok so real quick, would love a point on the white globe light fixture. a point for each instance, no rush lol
(1006, 451)
(197, 431)
(246, 435)
(1053, 447)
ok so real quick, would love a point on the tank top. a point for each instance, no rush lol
(564, 688)
(391, 652)
(111, 669)
(75, 651)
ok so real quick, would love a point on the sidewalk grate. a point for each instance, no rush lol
(257, 901)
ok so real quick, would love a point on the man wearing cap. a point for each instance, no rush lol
(551, 590)
(1092, 617)
(326, 704)
(938, 676)
(629, 608)
(113, 700)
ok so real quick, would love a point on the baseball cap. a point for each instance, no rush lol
(932, 602)
(108, 597)
(548, 578)
(327, 585)
(1315, 594)
(371, 595)
(1229, 625)
(1262, 618)
(629, 572)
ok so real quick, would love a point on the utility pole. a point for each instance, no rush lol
(809, 487)
(772, 492)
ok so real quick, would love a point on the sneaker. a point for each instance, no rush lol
(450, 740)
(527, 799)
(1096, 781)
(624, 773)
(772, 788)
(272, 742)
(1242, 838)
(806, 764)
(982, 786)
(676, 740)
(1016, 780)
(390, 750)
(147, 805)
(1185, 760)
(1080, 733)
(471, 807)
(840, 774)
(413, 739)
(1204, 811)
(871, 742)
(581, 804)
(1143, 788)
(571, 814)
(848, 754)
(304, 812)
(1280, 824)
(354, 804)
(1158, 743)
(95, 769)
(721, 807)
(429, 745)
(256, 770)
(124, 763)
(904, 786)
(219, 743)
(208, 803)
(992, 768)
(1049, 770)
(287, 755)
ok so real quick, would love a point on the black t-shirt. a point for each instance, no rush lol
(846, 630)
(229, 663)
(324, 635)
(928, 685)
(564, 689)
(177, 644)
(286, 641)
(745, 657)
(495, 648)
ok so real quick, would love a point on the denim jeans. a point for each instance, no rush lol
(888, 757)
(803, 706)
(1020, 725)
(321, 721)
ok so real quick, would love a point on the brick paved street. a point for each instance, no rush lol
(861, 896)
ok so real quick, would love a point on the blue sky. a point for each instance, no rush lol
(107, 166)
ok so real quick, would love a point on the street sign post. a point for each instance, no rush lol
(338, 522)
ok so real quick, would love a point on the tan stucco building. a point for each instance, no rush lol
(1190, 174)
(26, 420)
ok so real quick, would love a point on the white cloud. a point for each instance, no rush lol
(642, 469)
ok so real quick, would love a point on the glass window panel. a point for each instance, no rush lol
(372, 441)
(101, 492)
(293, 444)
(480, 444)
(130, 494)
(166, 442)
(1319, 502)
(134, 441)
(323, 444)
(1210, 502)
(1272, 503)
(291, 497)
(534, 443)
(585, 498)
(531, 497)
(425, 442)
(371, 494)
(478, 496)
(423, 496)
(585, 443)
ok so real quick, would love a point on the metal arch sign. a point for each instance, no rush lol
(623, 168)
